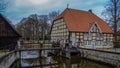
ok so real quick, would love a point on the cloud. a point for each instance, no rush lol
(37, 5)
(37, 2)
(34, 3)
(23, 8)
(31, 2)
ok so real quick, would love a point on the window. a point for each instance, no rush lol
(85, 35)
(85, 42)
(95, 28)
(89, 42)
(108, 39)
(90, 35)
(99, 42)
(58, 27)
(99, 35)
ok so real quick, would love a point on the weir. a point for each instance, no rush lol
(108, 57)
(7, 60)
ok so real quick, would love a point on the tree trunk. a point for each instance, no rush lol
(115, 20)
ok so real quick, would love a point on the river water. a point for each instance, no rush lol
(31, 59)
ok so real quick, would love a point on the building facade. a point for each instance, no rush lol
(8, 35)
(82, 28)
(60, 31)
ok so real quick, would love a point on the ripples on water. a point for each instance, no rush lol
(31, 59)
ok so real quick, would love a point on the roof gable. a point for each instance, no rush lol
(5, 28)
(95, 27)
(79, 20)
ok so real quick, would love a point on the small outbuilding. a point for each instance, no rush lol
(8, 35)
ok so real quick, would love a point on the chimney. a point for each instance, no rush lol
(90, 10)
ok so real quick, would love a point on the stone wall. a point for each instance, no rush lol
(99, 55)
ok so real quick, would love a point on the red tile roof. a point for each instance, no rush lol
(80, 21)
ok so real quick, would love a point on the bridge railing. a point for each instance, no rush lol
(7, 59)
(34, 45)
(7, 55)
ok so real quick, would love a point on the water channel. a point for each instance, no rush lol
(31, 59)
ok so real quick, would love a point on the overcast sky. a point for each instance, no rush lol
(17, 9)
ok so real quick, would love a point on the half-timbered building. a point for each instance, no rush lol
(8, 36)
(82, 28)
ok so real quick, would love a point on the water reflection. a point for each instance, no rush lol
(29, 54)
(30, 61)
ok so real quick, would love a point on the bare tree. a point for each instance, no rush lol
(52, 15)
(112, 15)
(44, 25)
(29, 27)
(3, 5)
(34, 27)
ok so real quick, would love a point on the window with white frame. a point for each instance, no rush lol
(90, 35)
(98, 35)
(85, 35)
(85, 42)
(89, 42)
(99, 43)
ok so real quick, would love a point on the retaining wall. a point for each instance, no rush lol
(7, 60)
(100, 55)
